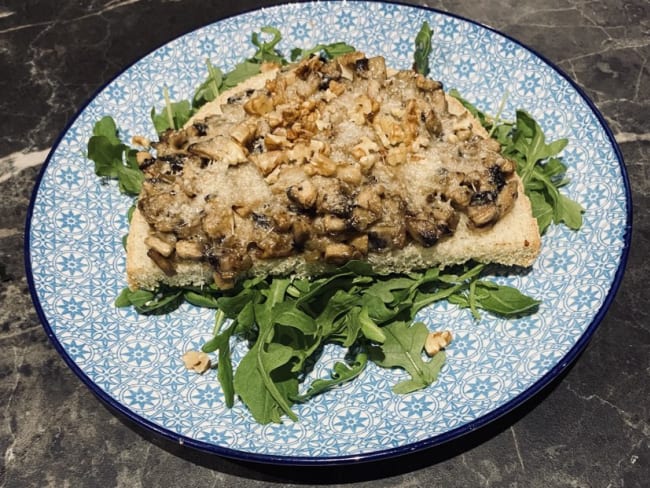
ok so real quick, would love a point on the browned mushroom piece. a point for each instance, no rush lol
(507, 197)
(339, 253)
(332, 198)
(162, 262)
(186, 249)
(428, 228)
(482, 209)
(303, 194)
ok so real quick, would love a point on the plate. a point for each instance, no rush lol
(76, 261)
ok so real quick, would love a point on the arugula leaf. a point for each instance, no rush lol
(205, 300)
(542, 173)
(501, 300)
(327, 51)
(241, 72)
(106, 127)
(369, 328)
(289, 320)
(403, 348)
(341, 373)
(112, 158)
(254, 382)
(266, 51)
(106, 155)
(146, 302)
(422, 49)
(130, 177)
(263, 379)
(221, 342)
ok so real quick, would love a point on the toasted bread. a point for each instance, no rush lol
(511, 237)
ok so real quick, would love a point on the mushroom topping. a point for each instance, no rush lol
(482, 209)
(425, 230)
(329, 159)
(162, 246)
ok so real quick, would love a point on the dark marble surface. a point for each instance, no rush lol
(591, 428)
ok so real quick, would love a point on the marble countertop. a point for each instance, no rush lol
(590, 428)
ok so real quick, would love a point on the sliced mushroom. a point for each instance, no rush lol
(304, 194)
(220, 148)
(483, 210)
(333, 224)
(337, 253)
(360, 243)
(243, 133)
(333, 201)
(162, 262)
(187, 249)
(424, 229)
(507, 197)
(164, 248)
(383, 236)
(275, 245)
(300, 230)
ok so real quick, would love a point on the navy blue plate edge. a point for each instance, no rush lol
(517, 401)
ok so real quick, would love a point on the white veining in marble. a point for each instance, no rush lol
(16, 162)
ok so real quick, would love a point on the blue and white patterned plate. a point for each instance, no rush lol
(76, 262)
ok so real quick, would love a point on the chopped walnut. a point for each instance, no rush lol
(196, 361)
(141, 141)
(143, 157)
(437, 341)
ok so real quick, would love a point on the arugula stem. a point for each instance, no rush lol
(475, 271)
(219, 320)
(168, 108)
(497, 117)
(472, 300)
(213, 78)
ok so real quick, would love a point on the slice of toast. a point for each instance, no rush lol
(513, 239)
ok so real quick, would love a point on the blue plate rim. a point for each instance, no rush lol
(437, 440)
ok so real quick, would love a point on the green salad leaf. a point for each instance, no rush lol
(328, 51)
(403, 349)
(422, 49)
(112, 158)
